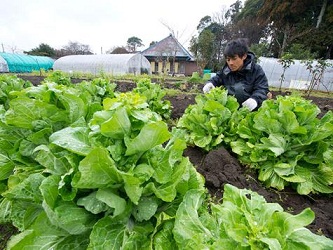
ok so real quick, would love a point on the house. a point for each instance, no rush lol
(169, 56)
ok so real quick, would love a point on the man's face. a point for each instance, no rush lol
(235, 63)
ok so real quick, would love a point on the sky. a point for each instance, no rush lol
(101, 24)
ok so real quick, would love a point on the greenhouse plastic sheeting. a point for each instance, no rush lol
(3, 65)
(115, 64)
(18, 63)
(297, 76)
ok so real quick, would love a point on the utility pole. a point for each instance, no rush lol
(3, 48)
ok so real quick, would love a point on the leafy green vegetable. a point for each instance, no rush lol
(210, 122)
(87, 168)
(288, 145)
(155, 97)
(244, 220)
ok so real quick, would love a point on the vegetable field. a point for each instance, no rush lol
(99, 165)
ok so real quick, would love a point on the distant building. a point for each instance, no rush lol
(168, 56)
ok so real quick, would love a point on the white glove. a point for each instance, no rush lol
(208, 86)
(250, 103)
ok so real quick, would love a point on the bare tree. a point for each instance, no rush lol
(117, 50)
(13, 49)
(178, 35)
(166, 54)
(76, 48)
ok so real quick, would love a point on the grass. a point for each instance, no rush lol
(304, 93)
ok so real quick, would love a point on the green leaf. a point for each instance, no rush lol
(71, 218)
(275, 143)
(289, 223)
(322, 132)
(151, 135)
(24, 111)
(49, 190)
(97, 170)
(74, 105)
(108, 234)
(92, 204)
(44, 235)
(289, 122)
(239, 147)
(6, 167)
(146, 208)
(304, 239)
(27, 190)
(316, 180)
(189, 231)
(202, 141)
(113, 200)
(120, 233)
(283, 169)
(52, 164)
(118, 125)
(74, 139)
(163, 239)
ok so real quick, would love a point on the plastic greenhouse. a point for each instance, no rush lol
(19, 63)
(3, 65)
(297, 76)
(115, 64)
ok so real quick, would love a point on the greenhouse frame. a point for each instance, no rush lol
(22, 63)
(115, 64)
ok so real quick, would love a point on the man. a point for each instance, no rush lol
(241, 76)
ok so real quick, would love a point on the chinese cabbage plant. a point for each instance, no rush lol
(121, 171)
(212, 120)
(288, 144)
(155, 97)
(244, 220)
(84, 167)
(284, 140)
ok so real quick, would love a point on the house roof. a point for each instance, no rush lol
(168, 47)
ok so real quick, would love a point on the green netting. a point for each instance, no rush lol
(18, 63)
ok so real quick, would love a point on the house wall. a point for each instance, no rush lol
(190, 67)
(152, 67)
(167, 67)
(169, 56)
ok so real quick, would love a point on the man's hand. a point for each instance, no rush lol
(208, 86)
(250, 103)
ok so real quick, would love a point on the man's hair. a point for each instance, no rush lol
(236, 47)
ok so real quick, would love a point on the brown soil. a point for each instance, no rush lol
(220, 166)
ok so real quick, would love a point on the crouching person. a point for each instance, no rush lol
(241, 76)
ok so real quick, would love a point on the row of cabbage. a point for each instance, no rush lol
(86, 167)
(284, 140)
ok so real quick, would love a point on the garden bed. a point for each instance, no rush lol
(220, 167)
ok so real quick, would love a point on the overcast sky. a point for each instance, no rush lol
(101, 24)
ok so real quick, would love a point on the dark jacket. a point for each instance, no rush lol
(250, 81)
